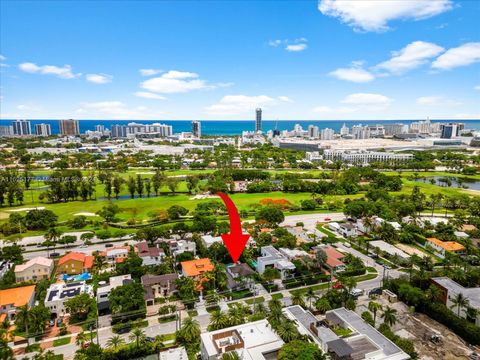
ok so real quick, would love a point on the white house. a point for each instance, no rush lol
(209, 240)
(273, 258)
(104, 290)
(58, 293)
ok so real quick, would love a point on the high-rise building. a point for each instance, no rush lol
(119, 131)
(22, 127)
(449, 131)
(313, 131)
(100, 128)
(395, 129)
(327, 134)
(197, 129)
(43, 130)
(6, 130)
(344, 131)
(141, 130)
(258, 121)
(69, 127)
(360, 132)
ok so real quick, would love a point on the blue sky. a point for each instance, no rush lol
(219, 60)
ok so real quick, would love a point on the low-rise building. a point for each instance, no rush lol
(114, 253)
(12, 299)
(178, 247)
(174, 354)
(442, 247)
(209, 240)
(35, 269)
(450, 290)
(273, 258)
(158, 286)
(239, 276)
(74, 263)
(104, 290)
(251, 341)
(196, 268)
(347, 229)
(335, 258)
(151, 255)
(58, 293)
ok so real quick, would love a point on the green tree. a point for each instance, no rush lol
(115, 341)
(137, 335)
(374, 307)
(389, 316)
(299, 349)
(459, 301)
(79, 306)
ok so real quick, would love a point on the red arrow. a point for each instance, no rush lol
(235, 241)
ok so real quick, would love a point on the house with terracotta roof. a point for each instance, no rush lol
(150, 255)
(35, 269)
(75, 263)
(12, 299)
(195, 268)
(442, 247)
(334, 261)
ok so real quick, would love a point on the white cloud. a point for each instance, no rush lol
(27, 107)
(149, 95)
(374, 15)
(477, 87)
(467, 116)
(296, 47)
(239, 104)
(275, 43)
(437, 101)
(2, 58)
(410, 57)
(368, 101)
(175, 82)
(285, 99)
(99, 78)
(149, 72)
(116, 110)
(354, 74)
(463, 55)
(64, 72)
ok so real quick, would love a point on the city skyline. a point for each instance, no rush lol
(297, 61)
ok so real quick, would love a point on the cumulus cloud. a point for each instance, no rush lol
(175, 82)
(2, 58)
(149, 72)
(239, 104)
(374, 15)
(368, 101)
(410, 57)
(64, 72)
(463, 55)
(285, 99)
(353, 74)
(437, 101)
(149, 95)
(275, 43)
(116, 110)
(296, 47)
(99, 78)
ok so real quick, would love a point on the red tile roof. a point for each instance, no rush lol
(75, 256)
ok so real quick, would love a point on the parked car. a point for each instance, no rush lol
(327, 219)
(337, 285)
(108, 245)
(59, 321)
(123, 330)
(54, 254)
(149, 339)
(86, 344)
(51, 323)
(83, 246)
(356, 292)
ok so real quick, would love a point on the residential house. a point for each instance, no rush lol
(195, 268)
(334, 262)
(35, 269)
(450, 289)
(158, 286)
(115, 254)
(254, 340)
(12, 299)
(363, 342)
(442, 247)
(178, 353)
(104, 289)
(151, 255)
(59, 293)
(347, 229)
(239, 276)
(178, 247)
(209, 240)
(74, 263)
(273, 258)
(292, 254)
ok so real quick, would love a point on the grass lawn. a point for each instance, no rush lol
(165, 319)
(325, 231)
(277, 296)
(62, 341)
(257, 300)
(342, 332)
(169, 337)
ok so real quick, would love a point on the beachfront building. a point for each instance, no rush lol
(449, 291)
(158, 286)
(104, 290)
(253, 341)
(442, 247)
(12, 299)
(74, 263)
(38, 268)
(58, 293)
(363, 342)
(273, 258)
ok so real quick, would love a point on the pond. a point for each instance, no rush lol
(451, 181)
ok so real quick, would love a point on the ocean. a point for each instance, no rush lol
(235, 127)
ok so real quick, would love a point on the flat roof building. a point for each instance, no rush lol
(58, 293)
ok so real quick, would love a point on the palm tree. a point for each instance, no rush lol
(389, 316)
(310, 296)
(472, 313)
(275, 304)
(236, 315)
(323, 305)
(52, 236)
(297, 299)
(80, 339)
(23, 317)
(232, 355)
(218, 320)
(115, 341)
(137, 335)
(374, 307)
(433, 293)
(287, 331)
(158, 343)
(460, 302)
(190, 330)
(275, 316)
